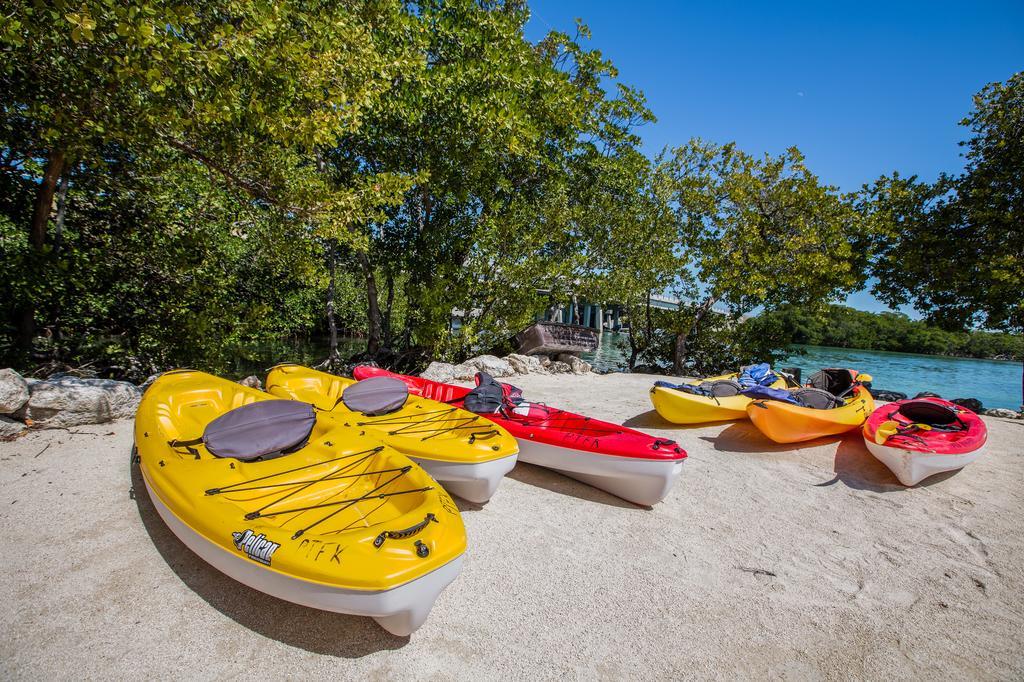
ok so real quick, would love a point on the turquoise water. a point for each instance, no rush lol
(996, 383)
(612, 354)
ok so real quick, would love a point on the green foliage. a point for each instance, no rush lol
(844, 327)
(162, 272)
(176, 178)
(727, 342)
(955, 249)
(763, 231)
(249, 89)
(514, 152)
(188, 136)
(760, 232)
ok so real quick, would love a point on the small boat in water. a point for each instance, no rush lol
(552, 338)
(624, 462)
(924, 436)
(466, 453)
(294, 503)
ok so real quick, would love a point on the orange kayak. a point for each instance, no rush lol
(788, 423)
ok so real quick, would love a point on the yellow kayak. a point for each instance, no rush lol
(466, 453)
(680, 407)
(341, 523)
(788, 423)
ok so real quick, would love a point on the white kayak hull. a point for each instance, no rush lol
(913, 466)
(641, 481)
(400, 610)
(475, 482)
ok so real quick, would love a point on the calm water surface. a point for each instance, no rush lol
(996, 383)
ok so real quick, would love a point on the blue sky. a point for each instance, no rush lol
(861, 88)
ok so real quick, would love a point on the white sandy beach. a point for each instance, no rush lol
(798, 562)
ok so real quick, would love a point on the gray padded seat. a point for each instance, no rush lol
(723, 388)
(817, 398)
(376, 396)
(260, 430)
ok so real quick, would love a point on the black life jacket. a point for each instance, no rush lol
(490, 396)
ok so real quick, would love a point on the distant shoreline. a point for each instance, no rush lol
(844, 327)
(997, 358)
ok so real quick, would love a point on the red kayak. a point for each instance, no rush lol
(627, 463)
(924, 436)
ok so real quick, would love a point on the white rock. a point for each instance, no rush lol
(439, 371)
(69, 401)
(528, 364)
(464, 372)
(577, 365)
(1001, 412)
(518, 363)
(252, 381)
(495, 366)
(559, 367)
(539, 364)
(10, 428)
(13, 391)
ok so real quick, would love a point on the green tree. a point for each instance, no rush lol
(759, 232)
(500, 140)
(248, 90)
(632, 246)
(955, 249)
(843, 327)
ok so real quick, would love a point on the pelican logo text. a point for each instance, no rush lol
(256, 547)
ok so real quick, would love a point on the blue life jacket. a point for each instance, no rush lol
(768, 393)
(757, 375)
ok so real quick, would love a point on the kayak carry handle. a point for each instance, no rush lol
(408, 532)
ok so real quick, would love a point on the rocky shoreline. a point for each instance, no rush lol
(510, 365)
(63, 400)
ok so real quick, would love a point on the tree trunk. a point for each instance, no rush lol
(634, 349)
(634, 328)
(44, 198)
(333, 358)
(26, 315)
(26, 320)
(58, 239)
(422, 209)
(388, 332)
(683, 338)
(62, 205)
(373, 320)
(648, 324)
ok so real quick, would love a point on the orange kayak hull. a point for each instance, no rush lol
(787, 423)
